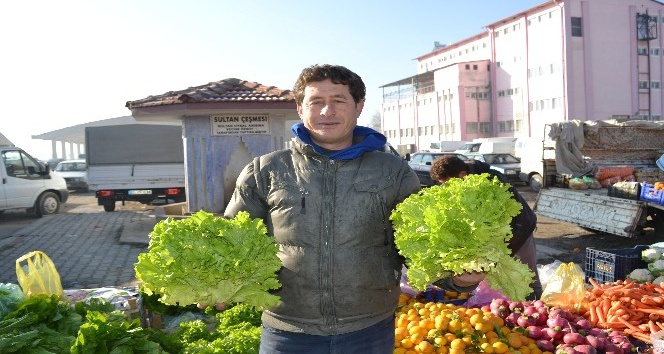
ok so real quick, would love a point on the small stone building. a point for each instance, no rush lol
(224, 125)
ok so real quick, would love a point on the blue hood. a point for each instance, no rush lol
(365, 139)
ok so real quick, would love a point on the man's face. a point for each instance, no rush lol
(329, 114)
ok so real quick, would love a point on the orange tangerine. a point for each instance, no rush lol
(440, 341)
(399, 351)
(407, 343)
(400, 333)
(458, 343)
(500, 347)
(486, 348)
(424, 347)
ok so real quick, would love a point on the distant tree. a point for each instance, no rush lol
(375, 121)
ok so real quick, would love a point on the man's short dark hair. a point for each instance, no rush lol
(447, 167)
(338, 74)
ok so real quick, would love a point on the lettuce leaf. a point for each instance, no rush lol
(461, 226)
(208, 259)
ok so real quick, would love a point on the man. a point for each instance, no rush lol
(327, 201)
(523, 225)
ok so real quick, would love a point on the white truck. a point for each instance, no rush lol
(605, 146)
(499, 145)
(445, 145)
(135, 162)
(29, 184)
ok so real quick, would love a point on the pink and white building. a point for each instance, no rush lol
(558, 61)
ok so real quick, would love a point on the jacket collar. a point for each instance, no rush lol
(364, 139)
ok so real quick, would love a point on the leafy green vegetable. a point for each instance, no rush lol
(112, 333)
(207, 259)
(10, 296)
(461, 226)
(40, 324)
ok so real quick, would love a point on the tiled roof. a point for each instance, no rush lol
(228, 90)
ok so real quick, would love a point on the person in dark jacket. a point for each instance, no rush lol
(327, 201)
(523, 225)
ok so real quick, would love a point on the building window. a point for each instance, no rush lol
(654, 51)
(643, 85)
(485, 127)
(654, 84)
(518, 124)
(501, 127)
(467, 66)
(501, 93)
(642, 51)
(474, 66)
(576, 27)
(471, 127)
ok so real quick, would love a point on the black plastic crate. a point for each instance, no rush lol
(606, 266)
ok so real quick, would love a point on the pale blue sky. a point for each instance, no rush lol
(70, 62)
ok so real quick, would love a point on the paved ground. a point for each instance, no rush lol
(92, 248)
(89, 247)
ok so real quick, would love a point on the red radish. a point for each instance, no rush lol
(557, 322)
(585, 349)
(611, 348)
(525, 321)
(565, 349)
(534, 332)
(574, 338)
(545, 345)
(529, 310)
(516, 306)
(597, 342)
(553, 333)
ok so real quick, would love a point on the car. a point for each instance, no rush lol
(421, 163)
(507, 164)
(75, 173)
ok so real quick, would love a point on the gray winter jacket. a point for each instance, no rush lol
(341, 269)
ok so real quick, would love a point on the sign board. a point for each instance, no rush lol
(240, 124)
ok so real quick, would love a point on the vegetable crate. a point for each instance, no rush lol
(607, 266)
(650, 194)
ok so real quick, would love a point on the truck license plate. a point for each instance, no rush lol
(139, 191)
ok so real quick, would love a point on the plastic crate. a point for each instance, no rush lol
(606, 266)
(649, 194)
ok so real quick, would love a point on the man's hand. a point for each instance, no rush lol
(467, 279)
(218, 307)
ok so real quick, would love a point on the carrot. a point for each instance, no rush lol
(629, 325)
(592, 314)
(648, 300)
(659, 312)
(594, 283)
(638, 304)
(652, 327)
(601, 315)
(641, 336)
(606, 305)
